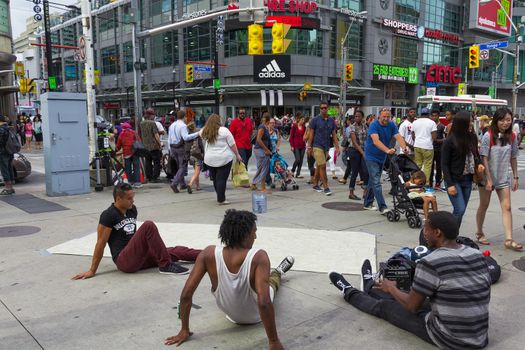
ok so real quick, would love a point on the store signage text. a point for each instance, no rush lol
(292, 6)
(384, 72)
(401, 27)
(195, 14)
(443, 74)
(439, 35)
(356, 16)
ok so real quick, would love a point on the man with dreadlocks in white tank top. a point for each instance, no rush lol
(242, 283)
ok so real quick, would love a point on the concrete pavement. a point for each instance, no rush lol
(43, 308)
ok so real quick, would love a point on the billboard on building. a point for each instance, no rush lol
(271, 69)
(491, 16)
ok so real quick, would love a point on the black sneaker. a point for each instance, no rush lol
(317, 188)
(285, 265)
(367, 278)
(174, 269)
(327, 192)
(339, 281)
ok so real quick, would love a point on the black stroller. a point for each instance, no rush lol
(400, 170)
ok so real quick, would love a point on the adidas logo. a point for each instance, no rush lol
(272, 70)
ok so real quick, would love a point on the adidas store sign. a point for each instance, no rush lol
(271, 69)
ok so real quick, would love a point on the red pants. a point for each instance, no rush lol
(146, 249)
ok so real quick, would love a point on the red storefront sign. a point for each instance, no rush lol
(111, 105)
(491, 16)
(443, 74)
(440, 35)
(291, 6)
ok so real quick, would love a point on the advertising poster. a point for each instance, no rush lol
(491, 16)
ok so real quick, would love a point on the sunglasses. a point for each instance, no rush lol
(323, 108)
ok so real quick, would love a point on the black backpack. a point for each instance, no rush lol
(12, 144)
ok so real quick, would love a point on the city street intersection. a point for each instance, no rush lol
(42, 308)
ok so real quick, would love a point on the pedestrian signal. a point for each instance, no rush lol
(189, 73)
(255, 39)
(473, 56)
(279, 42)
(349, 71)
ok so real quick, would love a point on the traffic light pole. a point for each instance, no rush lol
(216, 76)
(47, 33)
(137, 65)
(515, 76)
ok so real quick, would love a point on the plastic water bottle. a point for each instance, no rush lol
(259, 202)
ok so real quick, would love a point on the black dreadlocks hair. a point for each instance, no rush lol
(235, 227)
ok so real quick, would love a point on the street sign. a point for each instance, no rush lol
(198, 68)
(462, 89)
(82, 47)
(52, 80)
(496, 45)
(484, 54)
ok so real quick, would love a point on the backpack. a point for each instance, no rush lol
(492, 140)
(12, 145)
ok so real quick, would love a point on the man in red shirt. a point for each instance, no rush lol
(241, 129)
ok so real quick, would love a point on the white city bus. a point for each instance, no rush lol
(482, 104)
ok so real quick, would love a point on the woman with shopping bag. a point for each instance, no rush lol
(240, 176)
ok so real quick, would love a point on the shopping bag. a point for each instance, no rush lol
(240, 175)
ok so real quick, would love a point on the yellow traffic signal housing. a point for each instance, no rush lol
(189, 73)
(23, 86)
(349, 71)
(279, 42)
(473, 56)
(255, 39)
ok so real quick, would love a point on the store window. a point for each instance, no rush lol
(407, 10)
(354, 41)
(197, 42)
(163, 49)
(441, 54)
(405, 52)
(127, 49)
(236, 43)
(160, 12)
(69, 36)
(395, 91)
(109, 60)
(440, 14)
(108, 24)
(356, 5)
(70, 69)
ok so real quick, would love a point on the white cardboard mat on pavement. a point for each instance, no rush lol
(313, 250)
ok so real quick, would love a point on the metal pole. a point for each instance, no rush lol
(515, 77)
(47, 32)
(87, 32)
(216, 77)
(137, 64)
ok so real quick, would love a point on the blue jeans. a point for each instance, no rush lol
(6, 167)
(245, 155)
(374, 189)
(460, 200)
(132, 168)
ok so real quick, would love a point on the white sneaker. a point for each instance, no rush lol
(384, 211)
(370, 207)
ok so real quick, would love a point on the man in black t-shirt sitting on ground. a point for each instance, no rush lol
(133, 251)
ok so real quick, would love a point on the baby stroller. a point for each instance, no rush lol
(277, 177)
(400, 170)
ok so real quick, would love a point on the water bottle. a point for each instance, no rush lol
(259, 202)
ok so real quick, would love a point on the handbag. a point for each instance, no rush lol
(138, 147)
(240, 176)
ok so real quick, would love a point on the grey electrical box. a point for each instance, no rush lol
(66, 150)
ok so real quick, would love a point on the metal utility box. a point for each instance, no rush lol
(66, 150)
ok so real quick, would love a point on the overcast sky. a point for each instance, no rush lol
(22, 9)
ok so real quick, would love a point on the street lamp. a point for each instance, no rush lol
(519, 39)
(342, 96)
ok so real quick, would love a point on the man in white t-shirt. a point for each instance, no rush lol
(405, 130)
(424, 132)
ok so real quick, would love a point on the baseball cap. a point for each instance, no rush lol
(425, 110)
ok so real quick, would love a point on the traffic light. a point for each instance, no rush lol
(473, 56)
(255, 39)
(23, 86)
(349, 71)
(279, 43)
(189, 73)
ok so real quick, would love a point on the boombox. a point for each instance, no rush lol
(399, 270)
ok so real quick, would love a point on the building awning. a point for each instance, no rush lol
(239, 89)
